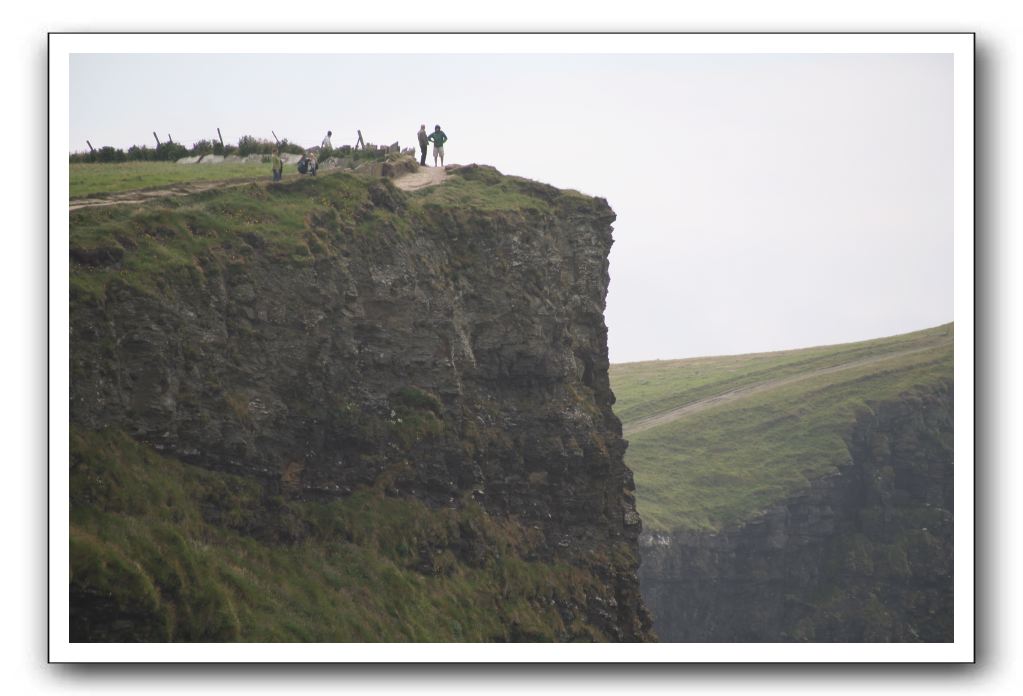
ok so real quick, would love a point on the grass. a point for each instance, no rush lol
(720, 466)
(90, 180)
(484, 188)
(171, 552)
(646, 388)
(481, 196)
(168, 242)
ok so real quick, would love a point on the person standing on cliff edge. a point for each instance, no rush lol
(438, 139)
(423, 142)
(276, 166)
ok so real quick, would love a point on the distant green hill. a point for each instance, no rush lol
(714, 441)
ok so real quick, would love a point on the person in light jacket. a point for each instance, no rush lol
(423, 143)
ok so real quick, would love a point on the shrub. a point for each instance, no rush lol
(250, 145)
(110, 154)
(168, 152)
(203, 147)
(293, 148)
(141, 153)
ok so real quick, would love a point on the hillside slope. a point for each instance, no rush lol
(717, 466)
(332, 410)
(802, 495)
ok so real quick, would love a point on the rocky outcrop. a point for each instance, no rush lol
(450, 352)
(863, 555)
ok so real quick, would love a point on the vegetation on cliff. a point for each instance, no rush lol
(166, 551)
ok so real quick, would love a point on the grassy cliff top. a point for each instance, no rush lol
(89, 179)
(781, 423)
(302, 221)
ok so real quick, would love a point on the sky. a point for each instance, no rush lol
(764, 201)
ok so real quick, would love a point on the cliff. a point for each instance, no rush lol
(390, 410)
(861, 555)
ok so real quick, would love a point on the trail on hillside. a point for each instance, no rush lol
(143, 195)
(648, 422)
(426, 176)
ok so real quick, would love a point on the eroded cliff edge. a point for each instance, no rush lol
(333, 348)
(863, 555)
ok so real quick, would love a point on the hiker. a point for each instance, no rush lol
(438, 139)
(423, 142)
(325, 145)
(308, 164)
(276, 164)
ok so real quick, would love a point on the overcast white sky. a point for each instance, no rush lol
(764, 201)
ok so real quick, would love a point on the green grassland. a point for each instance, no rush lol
(647, 388)
(717, 467)
(91, 180)
(171, 552)
(161, 243)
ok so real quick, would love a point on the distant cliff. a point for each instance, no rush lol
(863, 555)
(391, 409)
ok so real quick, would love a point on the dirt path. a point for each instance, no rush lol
(426, 176)
(143, 195)
(674, 414)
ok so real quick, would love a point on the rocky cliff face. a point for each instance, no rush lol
(863, 555)
(443, 349)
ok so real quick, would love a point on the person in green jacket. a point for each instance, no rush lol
(276, 165)
(438, 139)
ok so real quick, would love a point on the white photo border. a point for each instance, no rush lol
(960, 45)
